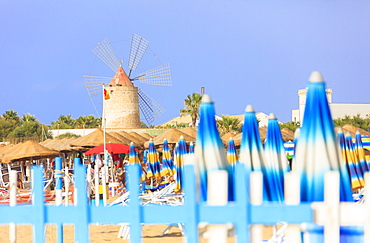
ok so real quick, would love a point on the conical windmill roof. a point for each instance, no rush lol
(172, 135)
(28, 150)
(94, 139)
(120, 78)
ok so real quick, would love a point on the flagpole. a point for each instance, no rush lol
(104, 181)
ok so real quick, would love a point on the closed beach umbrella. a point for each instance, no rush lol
(349, 161)
(289, 148)
(352, 156)
(153, 162)
(210, 152)
(251, 150)
(317, 150)
(232, 156)
(167, 165)
(361, 152)
(191, 148)
(276, 159)
(179, 157)
(133, 159)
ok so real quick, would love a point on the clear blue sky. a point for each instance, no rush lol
(242, 52)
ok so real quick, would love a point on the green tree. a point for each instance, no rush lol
(192, 103)
(26, 129)
(292, 126)
(68, 135)
(228, 124)
(28, 118)
(143, 125)
(11, 115)
(63, 122)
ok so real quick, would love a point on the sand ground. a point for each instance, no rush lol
(107, 233)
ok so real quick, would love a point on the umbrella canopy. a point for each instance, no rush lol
(167, 165)
(276, 159)
(317, 150)
(210, 152)
(28, 150)
(231, 155)
(112, 148)
(94, 139)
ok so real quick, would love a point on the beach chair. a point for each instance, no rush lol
(123, 199)
(158, 196)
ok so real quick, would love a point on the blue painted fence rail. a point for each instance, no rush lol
(240, 212)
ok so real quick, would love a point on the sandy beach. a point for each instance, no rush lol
(107, 233)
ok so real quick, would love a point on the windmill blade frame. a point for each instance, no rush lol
(149, 107)
(139, 45)
(94, 84)
(105, 52)
(160, 75)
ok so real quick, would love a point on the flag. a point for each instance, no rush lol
(106, 95)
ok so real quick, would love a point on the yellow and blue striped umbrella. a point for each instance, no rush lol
(134, 158)
(349, 160)
(179, 157)
(251, 150)
(210, 152)
(167, 165)
(191, 148)
(153, 163)
(232, 156)
(276, 160)
(352, 158)
(361, 153)
(317, 150)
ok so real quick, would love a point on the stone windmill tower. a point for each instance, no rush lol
(126, 102)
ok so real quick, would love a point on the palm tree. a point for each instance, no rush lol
(11, 115)
(228, 124)
(192, 103)
(28, 118)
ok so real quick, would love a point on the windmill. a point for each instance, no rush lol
(123, 109)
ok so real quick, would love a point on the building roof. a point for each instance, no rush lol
(120, 78)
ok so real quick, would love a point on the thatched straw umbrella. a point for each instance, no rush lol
(43, 143)
(139, 137)
(28, 150)
(172, 135)
(136, 141)
(145, 135)
(353, 130)
(190, 131)
(287, 135)
(51, 143)
(94, 139)
(120, 137)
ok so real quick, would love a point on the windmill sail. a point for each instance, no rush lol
(105, 52)
(139, 45)
(94, 84)
(150, 109)
(160, 75)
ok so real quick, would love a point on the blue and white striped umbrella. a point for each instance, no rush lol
(232, 155)
(289, 148)
(251, 150)
(191, 148)
(179, 158)
(317, 150)
(351, 155)
(276, 159)
(210, 151)
(167, 164)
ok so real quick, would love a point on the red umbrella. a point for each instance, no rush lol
(112, 148)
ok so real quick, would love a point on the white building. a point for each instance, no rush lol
(338, 110)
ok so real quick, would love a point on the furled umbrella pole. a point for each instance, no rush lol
(232, 155)
(251, 150)
(361, 153)
(167, 163)
(348, 160)
(317, 150)
(352, 156)
(276, 160)
(210, 152)
(179, 158)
